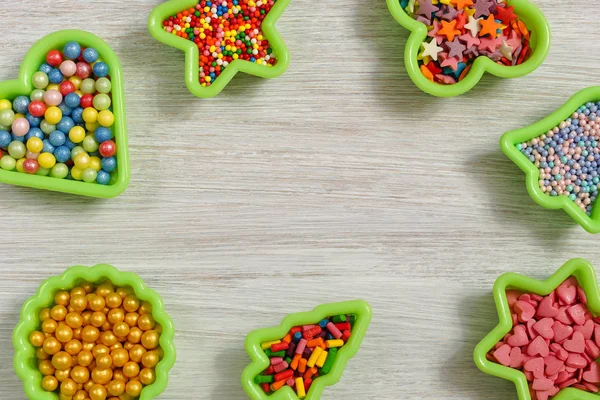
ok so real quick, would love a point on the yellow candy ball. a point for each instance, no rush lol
(35, 145)
(20, 163)
(53, 115)
(5, 105)
(106, 118)
(95, 163)
(76, 81)
(19, 115)
(76, 173)
(77, 134)
(53, 86)
(90, 115)
(91, 127)
(46, 160)
(82, 161)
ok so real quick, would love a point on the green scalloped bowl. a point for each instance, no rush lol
(586, 277)
(24, 359)
(23, 85)
(540, 44)
(509, 140)
(260, 361)
(165, 10)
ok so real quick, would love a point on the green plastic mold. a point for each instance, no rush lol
(24, 359)
(586, 277)
(165, 10)
(509, 140)
(260, 361)
(540, 45)
(23, 86)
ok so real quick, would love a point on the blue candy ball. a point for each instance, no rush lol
(103, 177)
(70, 145)
(65, 124)
(77, 115)
(102, 134)
(46, 68)
(48, 148)
(58, 138)
(20, 104)
(90, 55)
(5, 139)
(33, 121)
(34, 132)
(109, 164)
(100, 69)
(72, 100)
(62, 154)
(55, 76)
(65, 109)
(72, 50)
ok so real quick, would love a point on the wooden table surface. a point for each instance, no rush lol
(338, 180)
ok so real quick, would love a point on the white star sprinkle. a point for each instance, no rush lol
(474, 26)
(431, 49)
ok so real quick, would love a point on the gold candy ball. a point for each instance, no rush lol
(145, 308)
(68, 387)
(146, 322)
(85, 358)
(116, 315)
(99, 350)
(147, 376)
(97, 392)
(102, 376)
(134, 388)
(44, 314)
(96, 303)
(41, 354)
(36, 338)
(49, 326)
(58, 312)
(73, 347)
(136, 353)
(98, 319)
(90, 333)
(120, 357)
(116, 388)
(135, 335)
(62, 374)
(51, 345)
(121, 329)
(150, 339)
(104, 361)
(62, 360)
(49, 383)
(105, 289)
(46, 367)
(74, 320)
(150, 359)
(80, 374)
(63, 333)
(62, 298)
(131, 369)
(131, 303)
(113, 300)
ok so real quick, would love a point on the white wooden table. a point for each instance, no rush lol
(327, 190)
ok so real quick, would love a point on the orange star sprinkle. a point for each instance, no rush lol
(489, 26)
(449, 30)
(460, 4)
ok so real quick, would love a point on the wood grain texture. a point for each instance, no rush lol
(314, 187)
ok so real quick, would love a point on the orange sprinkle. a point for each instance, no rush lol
(427, 73)
(302, 365)
(277, 385)
(295, 361)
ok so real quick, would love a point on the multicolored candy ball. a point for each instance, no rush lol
(70, 106)
(304, 354)
(224, 31)
(462, 30)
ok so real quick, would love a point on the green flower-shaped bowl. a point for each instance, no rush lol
(260, 361)
(25, 360)
(509, 140)
(586, 277)
(540, 45)
(24, 86)
(192, 55)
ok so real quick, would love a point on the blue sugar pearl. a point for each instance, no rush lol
(48, 148)
(65, 109)
(20, 104)
(70, 145)
(34, 132)
(551, 164)
(72, 50)
(103, 177)
(62, 154)
(564, 159)
(72, 100)
(33, 121)
(573, 196)
(558, 177)
(46, 68)
(77, 115)
(17, 138)
(55, 76)
(58, 138)
(102, 134)
(65, 124)
(100, 69)
(90, 55)
(570, 188)
(5, 139)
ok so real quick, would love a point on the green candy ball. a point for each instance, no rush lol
(103, 85)
(88, 86)
(89, 175)
(7, 117)
(8, 163)
(47, 127)
(101, 102)
(43, 171)
(76, 150)
(40, 80)
(89, 144)
(17, 149)
(37, 94)
(60, 171)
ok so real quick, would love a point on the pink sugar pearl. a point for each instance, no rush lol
(68, 68)
(52, 97)
(20, 127)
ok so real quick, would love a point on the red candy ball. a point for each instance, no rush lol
(84, 70)
(108, 148)
(37, 108)
(66, 87)
(86, 100)
(31, 166)
(54, 58)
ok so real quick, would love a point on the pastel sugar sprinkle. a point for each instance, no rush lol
(568, 157)
(224, 31)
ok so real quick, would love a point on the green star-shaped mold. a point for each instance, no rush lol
(23, 85)
(192, 55)
(260, 361)
(527, 12)
(584, 272)
(25, 360)
(509, 140)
